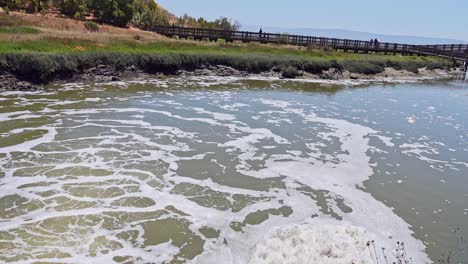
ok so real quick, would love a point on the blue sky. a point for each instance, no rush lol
(431, 18)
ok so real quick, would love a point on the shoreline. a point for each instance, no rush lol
(105, 73)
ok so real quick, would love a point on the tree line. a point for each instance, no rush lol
(143, 14)
(221, 23)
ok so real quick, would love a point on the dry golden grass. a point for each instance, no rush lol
(54, 26)
(54, 30)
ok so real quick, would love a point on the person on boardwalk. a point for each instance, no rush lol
(371, 42)
(376, 43)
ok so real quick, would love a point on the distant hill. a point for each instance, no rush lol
(349, 34)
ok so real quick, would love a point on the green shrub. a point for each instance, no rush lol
(437, 65)
(283, 38)
(318, 65)
(30, 6)
(364, 67)
(148, 14)
(312, 47)
(115, 12)
(72, 8)
(327, 49)
(38, 67)
(91, 26)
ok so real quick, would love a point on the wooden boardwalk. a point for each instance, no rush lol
(455, 52)
(460, 48)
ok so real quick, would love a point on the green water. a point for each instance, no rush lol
(181, 170)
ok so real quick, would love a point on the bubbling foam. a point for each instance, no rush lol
(314, 242)
(192, 176)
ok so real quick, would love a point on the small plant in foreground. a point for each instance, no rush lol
(400, 256)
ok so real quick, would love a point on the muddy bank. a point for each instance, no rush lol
(42, 68)
(104, 73)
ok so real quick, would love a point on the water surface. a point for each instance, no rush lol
(223, 170)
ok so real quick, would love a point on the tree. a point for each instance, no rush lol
(148, 14)
(222, 23)
(72, 8)
(115, 12)
(225, 23)
(30, 6)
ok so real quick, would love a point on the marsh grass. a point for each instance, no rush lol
(42, 67)
(43, 59)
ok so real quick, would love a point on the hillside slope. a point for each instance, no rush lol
(55, 26)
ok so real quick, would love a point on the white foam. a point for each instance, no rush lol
(164, 148)
(217, 116)
(314, 242)
(93, 99)
(421, 151)
(342, 178)
(386, 140)
(411, 119)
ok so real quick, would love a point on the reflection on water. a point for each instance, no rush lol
(209, 170)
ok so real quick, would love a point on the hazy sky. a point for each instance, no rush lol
(431, 18)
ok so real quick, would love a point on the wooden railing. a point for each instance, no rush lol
(455, 52)
(450, 47)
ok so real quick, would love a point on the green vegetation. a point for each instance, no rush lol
(114, 12)
(221, 23)
(144, 14)
(148, 14)
(72, 8)
(43, 60)
(19, 30)
(91, 26)
(30, 6)
(57, 45)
